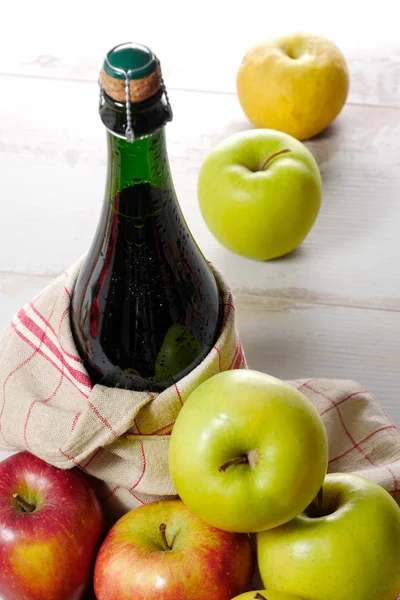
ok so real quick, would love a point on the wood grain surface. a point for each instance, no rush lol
(332, 308)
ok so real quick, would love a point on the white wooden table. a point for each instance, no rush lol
(332, 309)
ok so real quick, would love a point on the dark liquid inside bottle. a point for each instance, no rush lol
(145, 304)
(146, 307)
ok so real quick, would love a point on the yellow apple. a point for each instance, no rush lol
(297, 84)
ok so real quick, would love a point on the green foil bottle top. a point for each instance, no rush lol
(130, 60)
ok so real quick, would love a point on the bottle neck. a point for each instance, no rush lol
(146, 117)
(144, 161)
(145, 307)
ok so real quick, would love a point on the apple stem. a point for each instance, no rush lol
(258, 596)
(162, 528)
(237, 460)
(28, 508)
(269, 158)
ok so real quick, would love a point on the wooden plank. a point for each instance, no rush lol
(15, 291)
(53, 172)
(202, 51)
(291, 339)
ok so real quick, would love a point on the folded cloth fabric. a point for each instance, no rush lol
(49, 406)
(120, 438)
(362, 438)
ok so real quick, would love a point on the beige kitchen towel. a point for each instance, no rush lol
(362, 438)
(48, 406)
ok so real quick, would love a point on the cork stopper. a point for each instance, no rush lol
(135, 64)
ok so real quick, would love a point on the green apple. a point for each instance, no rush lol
(266, 595)
(347, 547)
(248, 451)
(178, 350)
(260, 192)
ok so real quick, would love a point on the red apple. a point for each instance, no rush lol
(162, 551)
(51, 525)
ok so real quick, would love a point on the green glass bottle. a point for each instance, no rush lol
(146, 307)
